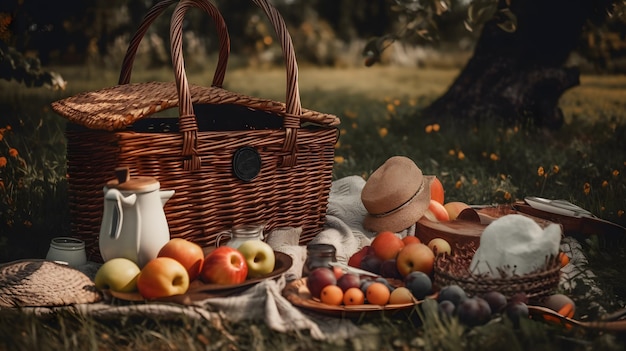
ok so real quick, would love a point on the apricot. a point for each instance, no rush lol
(353, 296)
(378, 294)
(332, 295)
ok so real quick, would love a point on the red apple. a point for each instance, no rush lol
(357, 257)
(415, 257)
(224, 265)
(386, 245)
(436, 190)
(188, 253)
(439, 211)
(161, 277)
(454, 208)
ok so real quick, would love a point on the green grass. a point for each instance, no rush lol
(584, 162)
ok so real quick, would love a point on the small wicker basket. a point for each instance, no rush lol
(449, 270)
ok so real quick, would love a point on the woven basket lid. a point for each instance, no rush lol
(120, 106)
(30, 283)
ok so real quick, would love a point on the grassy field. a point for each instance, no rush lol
(584, 162)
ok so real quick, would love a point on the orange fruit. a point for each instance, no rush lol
(386, 245)
(409, 239)
(353, 296)
(436, 190)
(332, 295)
(378, 294)
(563, 258)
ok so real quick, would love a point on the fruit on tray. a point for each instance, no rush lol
(162, 277)
(440, 246)
(188, 253)
(225, 266)
(117, 274)
(318, 279)
(415, 257)
(259, 257)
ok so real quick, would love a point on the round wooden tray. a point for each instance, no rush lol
(199, 290)
(299, 295)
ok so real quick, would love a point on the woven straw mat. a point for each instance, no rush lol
(117, 107)
(32, 283)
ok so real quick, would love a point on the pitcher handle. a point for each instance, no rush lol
(114, 227)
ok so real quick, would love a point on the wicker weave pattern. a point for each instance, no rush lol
(291, 189)
(450, 270)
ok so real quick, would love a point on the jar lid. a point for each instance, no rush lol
(321, 249)
(124, 182)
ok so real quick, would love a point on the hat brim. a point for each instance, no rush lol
(405, 217)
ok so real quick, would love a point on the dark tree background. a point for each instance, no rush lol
(517, 72)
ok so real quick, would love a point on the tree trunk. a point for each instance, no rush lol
(519, 76)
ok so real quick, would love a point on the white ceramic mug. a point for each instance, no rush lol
(67, 250)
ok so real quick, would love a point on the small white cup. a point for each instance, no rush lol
(70, 251)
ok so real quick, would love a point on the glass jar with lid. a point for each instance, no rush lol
(239, 234)
(318, 255)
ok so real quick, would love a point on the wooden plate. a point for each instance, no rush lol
(200, 291)
(299, 295)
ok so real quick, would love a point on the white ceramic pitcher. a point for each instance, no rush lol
(133, 221)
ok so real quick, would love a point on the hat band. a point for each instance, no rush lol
(403, 205)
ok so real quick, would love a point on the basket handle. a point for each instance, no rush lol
(187, 122)
(156, 11)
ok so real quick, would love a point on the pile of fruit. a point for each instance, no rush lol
(180, 262)
(401, 273)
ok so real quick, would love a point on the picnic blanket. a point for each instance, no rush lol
(264, 301)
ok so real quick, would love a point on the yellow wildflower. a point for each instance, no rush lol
(343, 132)
(13, 152)
(493, 157)
(337, 144)
(615, 173)
(461, 155)
(507, 195)
(8, 127)
(339, 159)
(620, 213)
(383, 132)
(605, 184)
(3, 161)
(436, 127)
(391, 108)
(396, 102)
(451, 152)
(354, 125)
(502, 176)
(555, 169)
(428, 129)
(474, 181)
(458, 184)
(587, 188)
(350, 114)
(540, 171)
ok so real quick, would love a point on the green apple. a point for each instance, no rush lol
(118, 274)
(259, 256)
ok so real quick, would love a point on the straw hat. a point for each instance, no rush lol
(44, 283)
(396, 195)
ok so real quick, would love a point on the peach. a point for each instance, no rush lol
(386, 245)
(436, 190)
(454, 208)
(439, 211)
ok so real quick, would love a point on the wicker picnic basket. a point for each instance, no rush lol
(232, 159)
